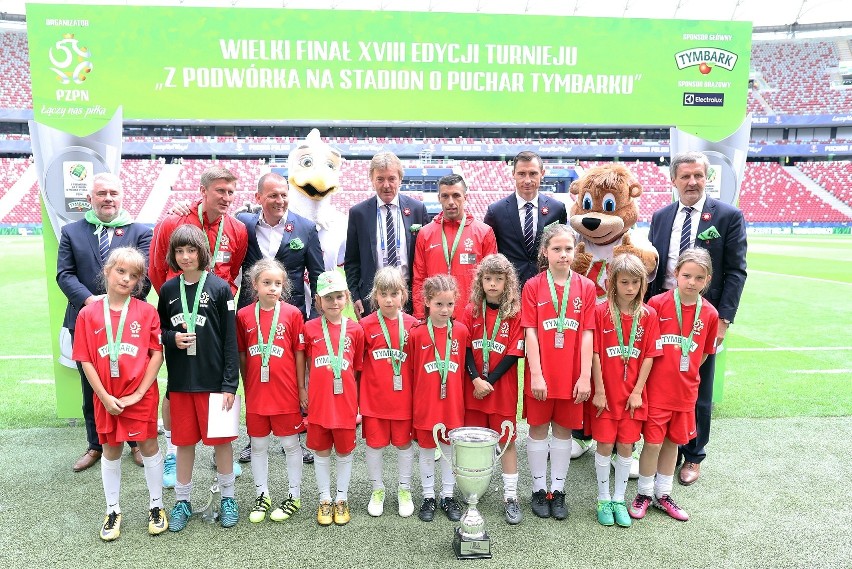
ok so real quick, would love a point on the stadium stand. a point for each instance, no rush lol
(836, 177)
(15, 92)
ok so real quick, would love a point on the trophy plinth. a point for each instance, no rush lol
(472, 460)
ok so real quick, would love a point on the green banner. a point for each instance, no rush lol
(317, 66)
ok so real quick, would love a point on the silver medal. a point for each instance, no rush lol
(443, 391)
(264, 374)
(485, 369)
(684, 363)
(190, 349)
(338, 385)
(559, 340)
(113, 368)
(397, 382)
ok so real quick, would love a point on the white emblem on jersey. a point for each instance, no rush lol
(639, 331)
(231, 305)
(433, 245)
(455, 347)
(374, 336)
(431, 367)
(205, 298)
(386, 354)
(279, 331)
(698, 327)
(98, 331)
(123, 348)
(323, 361)
(504, 328)
(177, 320)
(172, 301)
(551, 324)
(134, 329)
(615, 352)
(347, 344)
(673, 340)
(543, 303)
(578, 304)
(496, 346)
(276, 351)
(468, 243)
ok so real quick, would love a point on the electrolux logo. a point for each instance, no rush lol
(703, 99)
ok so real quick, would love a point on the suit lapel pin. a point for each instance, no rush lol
(406, 211)
(288, 228)
(545, 210)
(706, 216)
(119, 232)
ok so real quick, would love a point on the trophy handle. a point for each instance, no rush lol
(440, 429)
(506, 426)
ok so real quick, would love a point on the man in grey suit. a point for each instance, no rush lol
(83, 249)
(519, 218)
(380, 231)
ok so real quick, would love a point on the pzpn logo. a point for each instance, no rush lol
(70, 60)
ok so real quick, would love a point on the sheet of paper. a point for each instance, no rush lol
(221, 423)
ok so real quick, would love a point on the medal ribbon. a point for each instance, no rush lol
(114, 342)
(487, 344)
(449, 255)
(686, 342)
(443, 364)
(395, 362)
(266, 347)
(336, 361)
(625, 350)
(560, 310)
(190, 318)
(218, 236)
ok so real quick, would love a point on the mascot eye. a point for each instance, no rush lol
(587, 202)
(306, 161)
(609, 202)
(330, 164)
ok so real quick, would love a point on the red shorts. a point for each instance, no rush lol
(677, 426)
(379, 433)
(320, 438)
(189, 420)
(609, 431)
(493, 421)
(426, 440)
(282, 425)
(563, 412)
(125, 429)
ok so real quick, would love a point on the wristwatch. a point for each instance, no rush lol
(726, 321)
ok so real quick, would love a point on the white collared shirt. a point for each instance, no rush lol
(674, 241)
(381, 234)
(269, 237)
(522, 213)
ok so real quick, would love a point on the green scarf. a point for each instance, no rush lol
(123, 218)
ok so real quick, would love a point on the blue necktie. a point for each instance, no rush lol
(529, 234)
(390, 226)
(103, 245)
(685, 233)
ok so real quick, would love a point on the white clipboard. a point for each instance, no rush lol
(221, 423)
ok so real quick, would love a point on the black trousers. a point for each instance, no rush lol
(694, 451)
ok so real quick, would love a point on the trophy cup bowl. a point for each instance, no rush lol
(472, 460)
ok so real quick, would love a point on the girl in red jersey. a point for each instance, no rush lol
(625, 345)
(270, 340)
(497, 341)
(557, 314)
(435, 355)
(386, 388)
(121, 364)
(334, 347)
(687, 336)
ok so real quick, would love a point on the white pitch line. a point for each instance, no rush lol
(811, 349)
(39, 381)
(831, 371)
(799, 277)
(25, 357)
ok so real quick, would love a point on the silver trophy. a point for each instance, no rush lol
(210, 512)
(473, 457)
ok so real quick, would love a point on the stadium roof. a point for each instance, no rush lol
(762, 13)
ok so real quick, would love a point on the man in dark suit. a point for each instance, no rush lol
(678, 226)
(380, 231)
(83, 248)
(519, 219)
(281, 234)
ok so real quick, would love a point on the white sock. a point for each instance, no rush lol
(510, 486)
(537, 459)
(645, 485)
(226, 483)
(293, 452)
(154, 479)
(663, 485)
(448, 479)
(622, 473)
(602, 474)
(260, 464)
(111, 477)
(322, 471)
(344, 474)
(374, 467)
(560, 460)
(170, 448)
(405, 464)
(183, 491)
(427, 472)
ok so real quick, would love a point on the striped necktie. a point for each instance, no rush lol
(393, 260)
(529, 234)
(686, 231)
(103, 245)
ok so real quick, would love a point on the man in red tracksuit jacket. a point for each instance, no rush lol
(440, 248)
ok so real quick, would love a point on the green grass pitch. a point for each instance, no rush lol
(772, 492)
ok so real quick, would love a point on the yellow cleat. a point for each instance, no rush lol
(341, 513)
(112, 527)
(157, 522)
(324, 516)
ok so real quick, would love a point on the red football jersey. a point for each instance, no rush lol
(618, 389)
(560, 366)
(378, 398)
(668, 387)
(281, 393)
(140, 335)
(429, 408)
(324, 407)
(509, 342)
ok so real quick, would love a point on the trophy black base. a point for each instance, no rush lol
(466, 548)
